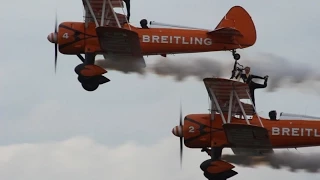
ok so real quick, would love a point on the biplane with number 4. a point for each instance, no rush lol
(234, 123)
(108, 33)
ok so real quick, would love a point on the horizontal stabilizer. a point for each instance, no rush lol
(247, 136)
(227, 31)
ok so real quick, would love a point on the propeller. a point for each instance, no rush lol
(181, 138)
(55, 45)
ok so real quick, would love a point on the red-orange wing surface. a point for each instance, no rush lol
(222, 88)
(94, 11)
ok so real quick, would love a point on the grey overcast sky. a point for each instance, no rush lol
(51, 128)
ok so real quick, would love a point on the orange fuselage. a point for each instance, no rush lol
(73, 38)
(282, 133)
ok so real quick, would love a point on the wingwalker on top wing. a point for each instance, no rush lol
(237, 125)
(105, 32)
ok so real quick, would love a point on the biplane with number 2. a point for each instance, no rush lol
(108, 33)
(234, 123)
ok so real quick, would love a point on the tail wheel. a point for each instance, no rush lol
(236, 56)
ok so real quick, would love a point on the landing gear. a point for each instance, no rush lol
(237, 68)
(90, 86)
(235, 55)
(90, 75)
(215, 168)
(92, 83)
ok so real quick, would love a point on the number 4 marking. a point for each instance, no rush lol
(65, 35)
(191, 129)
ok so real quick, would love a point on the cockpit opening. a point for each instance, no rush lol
(144, 24)
(273, 115)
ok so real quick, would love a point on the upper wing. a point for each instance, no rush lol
(222, 88)
(97, 8)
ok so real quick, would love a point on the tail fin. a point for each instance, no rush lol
(236, 28)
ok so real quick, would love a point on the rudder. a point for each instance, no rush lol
(238, 24)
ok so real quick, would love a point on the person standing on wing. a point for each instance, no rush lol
(247, 78)
(128, 9)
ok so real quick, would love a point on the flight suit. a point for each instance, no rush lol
(247, 78)
(128, 9)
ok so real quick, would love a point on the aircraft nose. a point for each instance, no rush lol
(52, 37)
(177, 131)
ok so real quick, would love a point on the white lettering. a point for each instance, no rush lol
(176, 40)
(198, 41)
(191, 129)
(164, 39)
(65, 35)
(155, 39)
(295, 131)
(309, 131)
(285, 131)
(145, 38)
(184, 41)
(276, 131)
(207, 41)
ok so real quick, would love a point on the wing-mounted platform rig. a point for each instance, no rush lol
(230, 123)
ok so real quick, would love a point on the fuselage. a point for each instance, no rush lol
(282, 133)
(73, 38)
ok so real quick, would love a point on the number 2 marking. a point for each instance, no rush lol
(65, 35)
(191, 129)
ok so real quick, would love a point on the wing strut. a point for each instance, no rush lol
(230, 106)
(103, 12)
(114, 13)
(241, 107)
(92, 14)
(218, 106)
(254, 107)
(127, 14)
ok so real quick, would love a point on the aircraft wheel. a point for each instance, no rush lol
(236, 56)
(90, 86)
(82, 79)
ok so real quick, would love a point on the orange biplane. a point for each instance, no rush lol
(235, 124)
(105, 32)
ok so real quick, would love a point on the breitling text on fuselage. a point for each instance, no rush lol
(176, 40)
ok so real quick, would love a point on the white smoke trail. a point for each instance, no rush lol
(293, 161)
(282, 72)
(180, 69)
